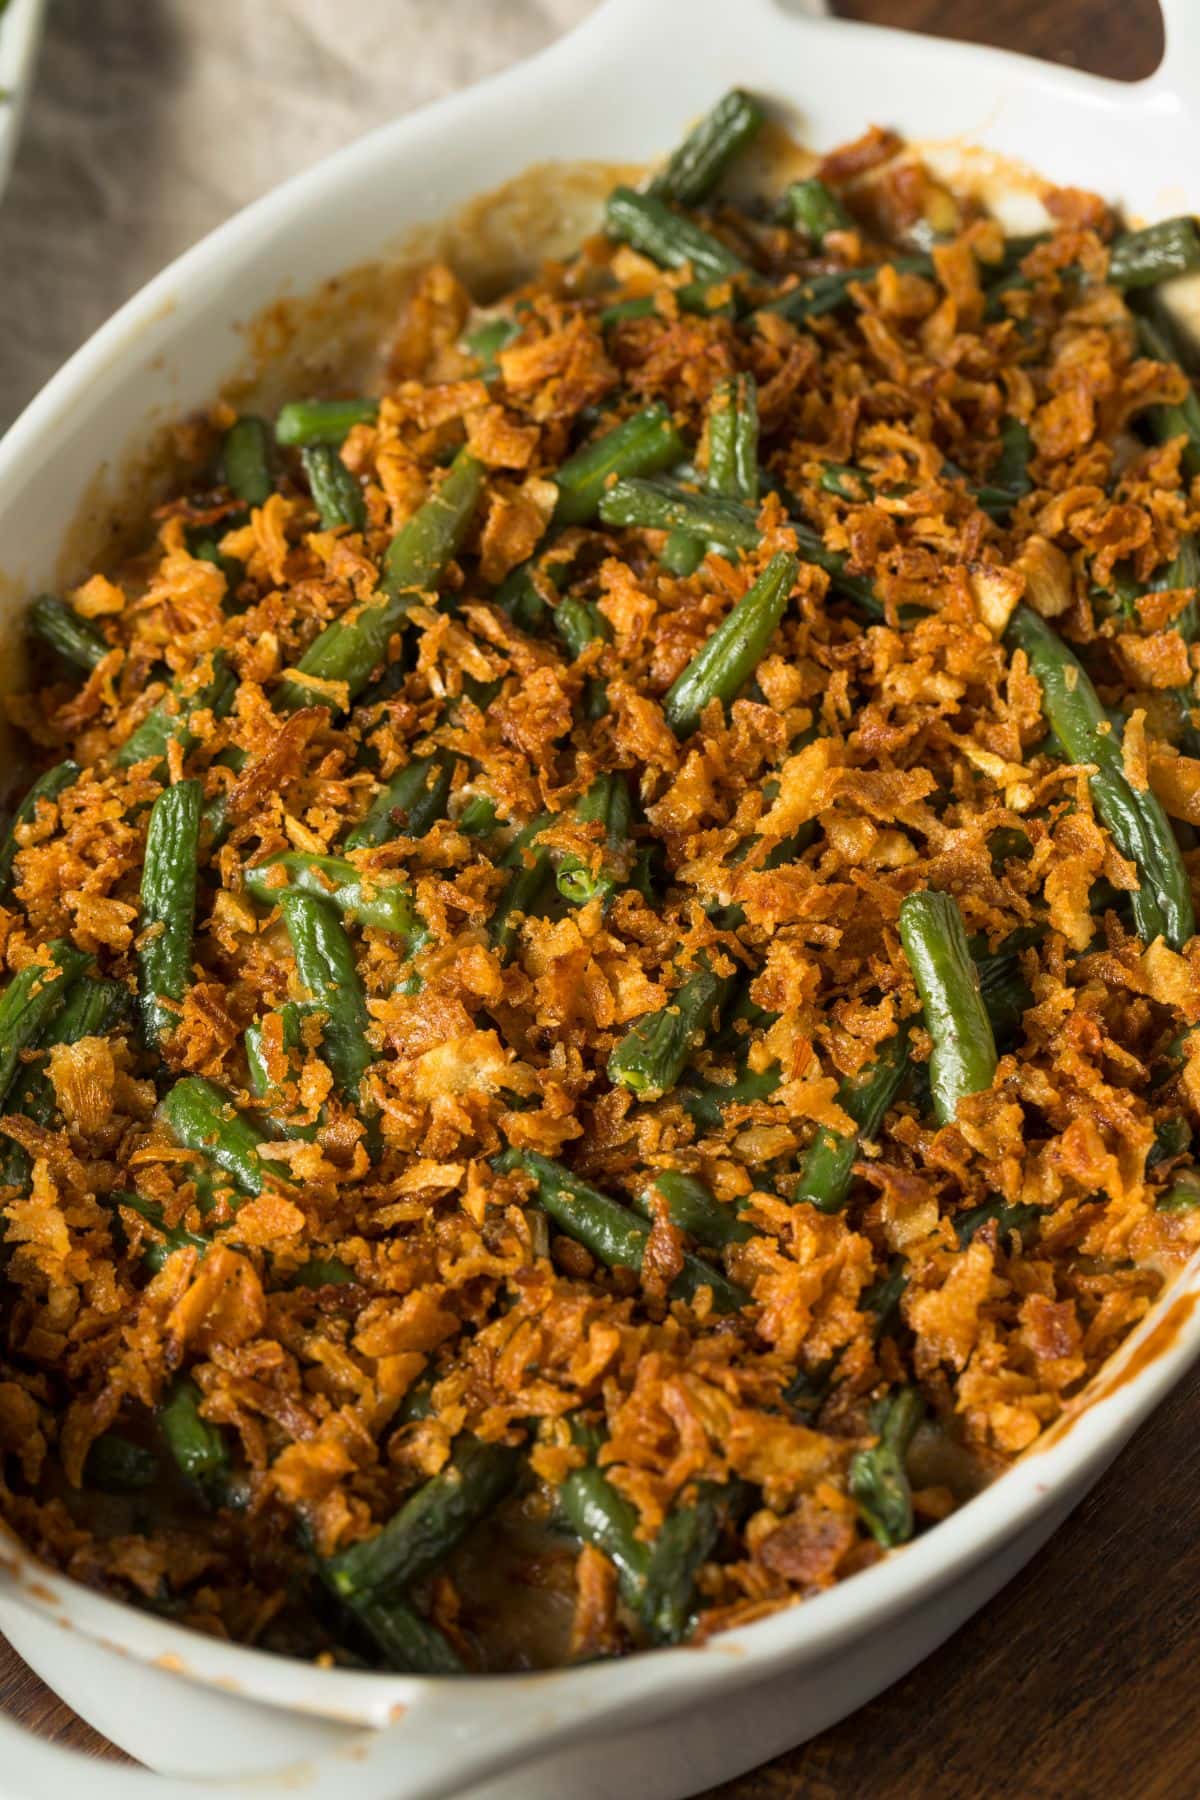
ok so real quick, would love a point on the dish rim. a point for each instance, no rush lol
(1108, 1411)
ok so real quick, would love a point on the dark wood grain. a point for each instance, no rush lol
(1078, 1681)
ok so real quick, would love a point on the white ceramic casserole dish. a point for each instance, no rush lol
(222, 1720)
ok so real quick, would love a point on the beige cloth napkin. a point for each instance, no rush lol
(151, 121)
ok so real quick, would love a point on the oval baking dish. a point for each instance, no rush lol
(214, 1717)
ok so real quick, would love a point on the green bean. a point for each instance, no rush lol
(323, 1271)
(705, 1101)
(817, 210)
(707, 299)
(606, 803)
(579, 623)
(1009, 479)
(1008, 1219)
(641, 445)
(196, 1447)
(654, 1052)
(602, 1516)
(169, 1239)
(64, 631)
(478, 817)
(118, 1466)
(488, 340)
(31, 1002)
(203, 1118)
(710, 146)
(168, 910)
(963, 1058)
(820, 294)
(657, 506)
(304, 423)
(685, 1542)
(828, 1167)
(429, 1525)
(613, 1234)
(375, 900)
(47, 787)
(1179, 418)
(682, 553)
(351, 647)
(408, 805)
(408, 1643)
(1162, 904)
(1139, 259)
(326, 966)
(292, 1016)
(531, 873)
(725, 662)
(692, 1206)
(733, 439)
(1172, 1136)
(668, 238)
(246, 456)
(91, 1009)
(167, 722)
(336, 494)
(878, 1478)
(1183, 1193)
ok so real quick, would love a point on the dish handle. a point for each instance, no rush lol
(1178, 74)
(433, 1751)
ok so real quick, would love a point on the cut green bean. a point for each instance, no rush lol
(336, 494)
(685, 1542)
(292, 1018)
(246, 458)
(169, 1239)
(1180, 418)
(705, 1101)
(1009, 479)
(692, 1205)
(168, 909)
(378, 901)
(733, 439)
(167, 722)
(429, 1525)
(817, 210)
(326, 967)
(827, 1171)
(301, 424)
(721, 668)
(531, 874)
(347, 651)
(488, 340)
(47, 787)
(601, 1516)
(117, 1465)
(196, 1446)
(1183, 1193)
(653, 1054)
(613, 1234)
(878, 1478)
(31, 1002)
(820, 294)
(204, 1119)
(1007, 1219)
(606, 803)
(1157, 253)
(710, 146)
(1162, 903)
(64, 631)
(408, 805)
(963, 1058)
(408, 1643)
(642, 445)
(658, 506)
(668, 238)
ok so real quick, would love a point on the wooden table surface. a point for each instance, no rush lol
(1078, 1681)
